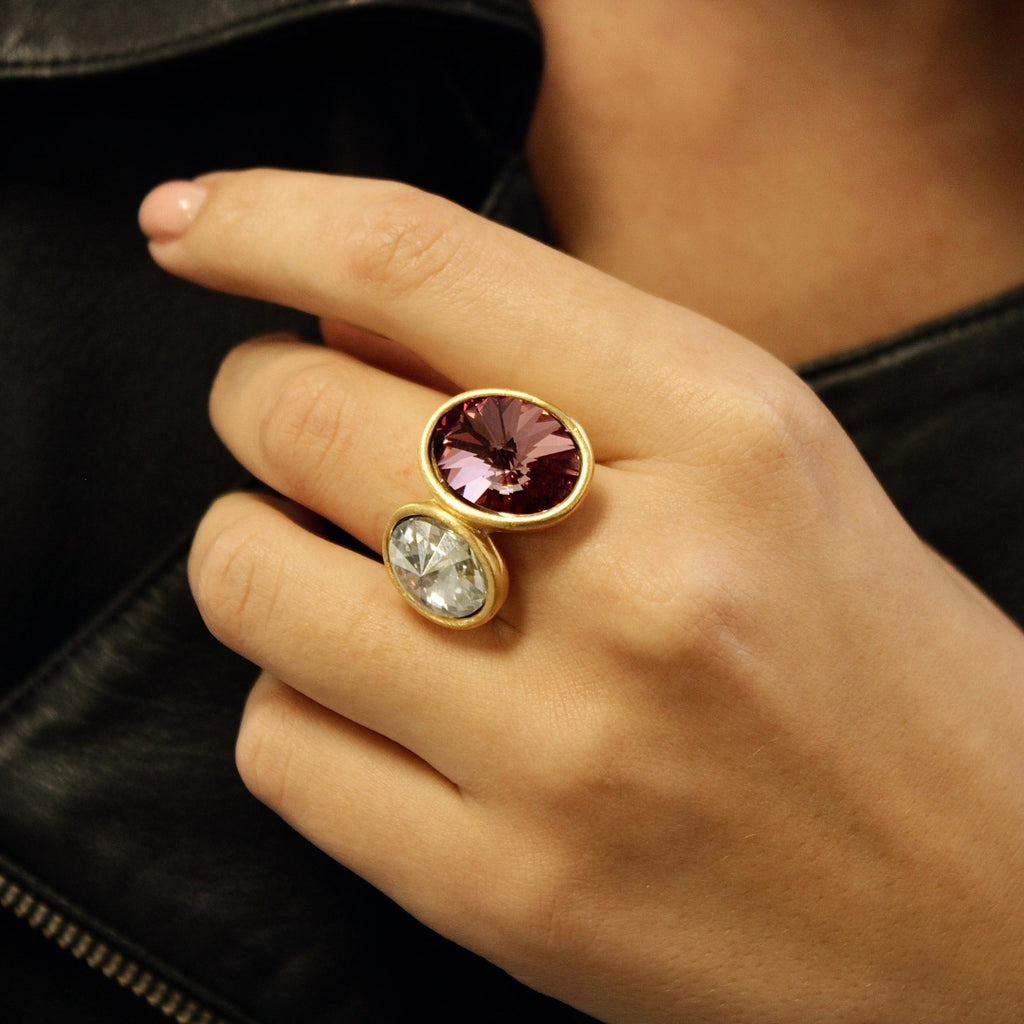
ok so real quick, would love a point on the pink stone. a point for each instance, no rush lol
(504, 454)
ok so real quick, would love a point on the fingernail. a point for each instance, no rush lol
(169, 209)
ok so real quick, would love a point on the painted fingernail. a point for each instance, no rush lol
(169, 209)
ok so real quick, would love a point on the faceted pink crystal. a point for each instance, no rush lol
(504, 454)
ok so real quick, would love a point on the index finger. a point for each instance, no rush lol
(480, 303)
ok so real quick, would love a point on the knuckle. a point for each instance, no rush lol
(304, 425)
(793, 440)
(769, 426)
(687, 607)
(769, 462)
(544, 899)
(580, 760)
(232, 579)
(716, 626)
(403, 241)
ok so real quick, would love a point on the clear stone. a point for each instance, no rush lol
(505, 454)
(436, 567)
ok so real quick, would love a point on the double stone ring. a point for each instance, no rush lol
(495, 461)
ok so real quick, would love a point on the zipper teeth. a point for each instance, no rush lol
(102, 957)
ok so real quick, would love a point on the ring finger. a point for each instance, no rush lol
(324, 620)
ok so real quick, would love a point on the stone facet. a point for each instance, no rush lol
(505, 454)
(436, 567)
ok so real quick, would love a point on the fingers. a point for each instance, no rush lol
(384, 813)
(333, 434)
(327, 621)
(482, 305)
(383, 353)
(355, 794)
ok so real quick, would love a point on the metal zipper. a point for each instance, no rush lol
(100, 955)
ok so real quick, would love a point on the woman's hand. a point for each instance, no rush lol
(738, 747)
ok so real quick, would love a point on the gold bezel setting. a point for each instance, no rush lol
(452, 519)
(491, 564)
(506, 522)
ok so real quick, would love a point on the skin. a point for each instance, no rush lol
(739, 748)
(813, 174)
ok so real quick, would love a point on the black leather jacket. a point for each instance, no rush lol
(125, 835)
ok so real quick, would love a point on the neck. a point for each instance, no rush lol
(813, 174)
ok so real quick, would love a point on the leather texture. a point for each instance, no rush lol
(105, 361)
(119, 801)
(68, 37)
(118, 787)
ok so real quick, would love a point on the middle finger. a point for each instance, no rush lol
(333, 434)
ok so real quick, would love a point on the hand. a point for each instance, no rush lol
(738, 748)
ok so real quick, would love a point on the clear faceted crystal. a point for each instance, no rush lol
(436, 567)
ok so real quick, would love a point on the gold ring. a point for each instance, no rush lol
(495, 461)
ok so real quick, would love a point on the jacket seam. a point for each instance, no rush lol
(994, 313)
